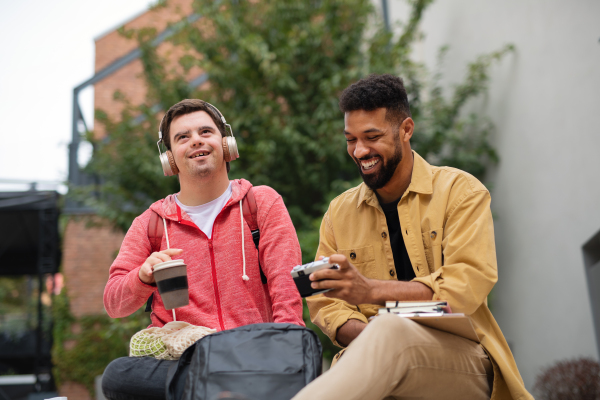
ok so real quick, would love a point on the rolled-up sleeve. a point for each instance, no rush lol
(327, 313)
(469, 270)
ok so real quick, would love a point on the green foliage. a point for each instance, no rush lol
(442, 135)
(13, 292)
(84, 346)
(276, 69)
(18, 304)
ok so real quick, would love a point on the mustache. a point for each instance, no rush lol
(367, 157)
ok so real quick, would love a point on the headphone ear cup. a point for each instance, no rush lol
(230, 150)
(172, 164)
(226, 154)
(165, 164)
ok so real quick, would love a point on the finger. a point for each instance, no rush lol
(172, 252)
(326, 274)
(327, 284)
(340, 260)
(320, 258)
(147, 268)
(162, 257)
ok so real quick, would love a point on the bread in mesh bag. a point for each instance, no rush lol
(168, 342)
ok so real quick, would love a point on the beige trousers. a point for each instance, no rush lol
(396, 358)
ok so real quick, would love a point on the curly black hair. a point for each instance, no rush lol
(378, 91)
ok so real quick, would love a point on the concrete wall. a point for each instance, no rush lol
(544, 102)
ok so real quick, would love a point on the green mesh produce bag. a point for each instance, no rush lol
(168, 342)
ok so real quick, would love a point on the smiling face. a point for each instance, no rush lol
(374, 145)
(197, 145)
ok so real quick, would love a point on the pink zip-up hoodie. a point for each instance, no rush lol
(219, 296)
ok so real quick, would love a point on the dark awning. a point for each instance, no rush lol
(29, 240)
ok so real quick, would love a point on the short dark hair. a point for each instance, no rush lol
(188, 106)
(184, 107)
(378, 91)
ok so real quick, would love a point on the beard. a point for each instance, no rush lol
(388, 168)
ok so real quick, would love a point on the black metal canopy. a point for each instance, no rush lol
(29, 240)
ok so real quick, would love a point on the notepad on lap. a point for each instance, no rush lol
(431, 314)
(402, 307)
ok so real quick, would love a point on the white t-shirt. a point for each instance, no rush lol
(204, 215)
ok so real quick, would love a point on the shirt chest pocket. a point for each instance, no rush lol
(363, 258)
(432, 242)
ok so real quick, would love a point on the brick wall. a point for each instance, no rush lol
(89, 249)
(74, 391)
(128, 80)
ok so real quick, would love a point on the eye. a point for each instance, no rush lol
(350, 140)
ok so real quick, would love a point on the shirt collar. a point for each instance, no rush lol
(420, 182)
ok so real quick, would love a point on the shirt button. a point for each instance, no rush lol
(433, 235)
(353, 256)
(383, 235)
(392, 272)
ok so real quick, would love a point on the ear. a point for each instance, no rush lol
(407, 129)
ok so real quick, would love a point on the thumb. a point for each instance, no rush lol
(339, 259)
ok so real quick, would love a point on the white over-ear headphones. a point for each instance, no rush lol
(230, 149)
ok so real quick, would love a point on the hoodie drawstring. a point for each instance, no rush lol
(244, 276)
(168, 247)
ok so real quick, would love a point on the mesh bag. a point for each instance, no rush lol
(168, 342)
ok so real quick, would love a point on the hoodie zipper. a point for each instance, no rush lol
(214, 276)
(212, 259)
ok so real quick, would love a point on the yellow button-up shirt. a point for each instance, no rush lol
(448, 231)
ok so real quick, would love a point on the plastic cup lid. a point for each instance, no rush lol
(168, 264)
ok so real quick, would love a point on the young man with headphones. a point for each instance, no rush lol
(204, 225)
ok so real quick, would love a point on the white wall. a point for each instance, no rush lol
(545, 103)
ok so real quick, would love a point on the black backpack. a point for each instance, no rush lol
(260, 361)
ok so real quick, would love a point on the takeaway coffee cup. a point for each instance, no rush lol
(171, 279)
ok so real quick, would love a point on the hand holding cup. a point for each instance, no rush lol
(146, 273)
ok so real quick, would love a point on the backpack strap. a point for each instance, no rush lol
(155, 233)
(156, 230)
(250, 210)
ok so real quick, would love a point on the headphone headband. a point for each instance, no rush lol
(219, 113)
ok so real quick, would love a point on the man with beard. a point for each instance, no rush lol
(411, 231)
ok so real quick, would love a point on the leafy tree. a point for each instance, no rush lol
(276, 69)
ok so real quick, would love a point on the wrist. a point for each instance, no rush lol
(375, 292)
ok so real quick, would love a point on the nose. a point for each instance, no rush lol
(360, 150)
(196, 139)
